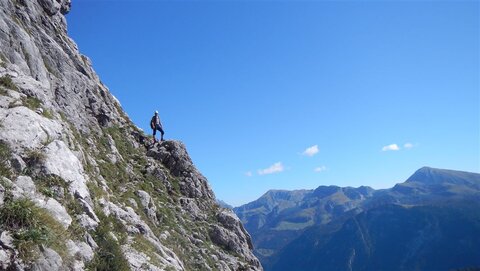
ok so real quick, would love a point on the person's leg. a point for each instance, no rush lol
(154, 132)
(161, 133)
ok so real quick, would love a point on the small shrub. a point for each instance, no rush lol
(35, 157)
(47, 114)
(17, 214)
(51, 181)
(73, 206)
(77, 232)
(48, 192)
(5, 155)
(4, 61)
(32, 102)
(6, 81)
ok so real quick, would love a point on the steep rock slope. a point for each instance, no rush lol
(413, 226)
(80, 186)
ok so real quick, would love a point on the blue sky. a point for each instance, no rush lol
(249, 86)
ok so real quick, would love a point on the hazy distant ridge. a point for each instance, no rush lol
(429, 222)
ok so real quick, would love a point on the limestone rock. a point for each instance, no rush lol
(2, 194)
(148, 205)
(230, 221)
(57, 211)
(140, 261)
(26, 129)
(6, 240)
(61, 161)
(174, 156)
(86, 222)
(48, 260)
(25, 185)
(17, 163)
(5, 259)
(80, 250)
(133, 203)
(90, 241)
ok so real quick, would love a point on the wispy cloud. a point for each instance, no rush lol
(275, 168)
(408, 145)
(320, 169)
(248, 174)
(311, 151)
(391, 147)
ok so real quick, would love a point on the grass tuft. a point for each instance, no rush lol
(6, 81)
(32, 226)
(109, 254)
(5, 155)
(32, 102)
(34, 157)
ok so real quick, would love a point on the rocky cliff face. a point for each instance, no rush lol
(81, 187)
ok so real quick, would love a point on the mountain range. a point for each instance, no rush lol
(429, 222)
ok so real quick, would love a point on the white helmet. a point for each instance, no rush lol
(156, 112)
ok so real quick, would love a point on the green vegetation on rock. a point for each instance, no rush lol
(6, 81)
(5, 154)
(109, 254)
(31, 226)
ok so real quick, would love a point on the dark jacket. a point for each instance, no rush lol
(155, 122)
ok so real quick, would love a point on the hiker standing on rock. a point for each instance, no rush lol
(156, 125)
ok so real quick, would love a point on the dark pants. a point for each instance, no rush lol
(158, 128)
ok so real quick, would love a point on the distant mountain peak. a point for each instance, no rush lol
(436, 176)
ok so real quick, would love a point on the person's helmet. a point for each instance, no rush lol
(156, 112)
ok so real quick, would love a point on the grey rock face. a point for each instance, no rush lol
(17, 163)
(24, 187)
(174, 156)
(148, 205)
(80, 250)
(230, 221)
(5, 256)
(49, 260)
(76, 154)
(61, 161)
(6, 240)
(229, 233)
(57, 211)
(27, 130)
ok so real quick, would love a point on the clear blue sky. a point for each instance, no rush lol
(250, 85)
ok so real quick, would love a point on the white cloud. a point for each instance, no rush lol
(248, 174)
(275, 168)
(391, 147)
(408, 145)
(311, 151)
(320, 169)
